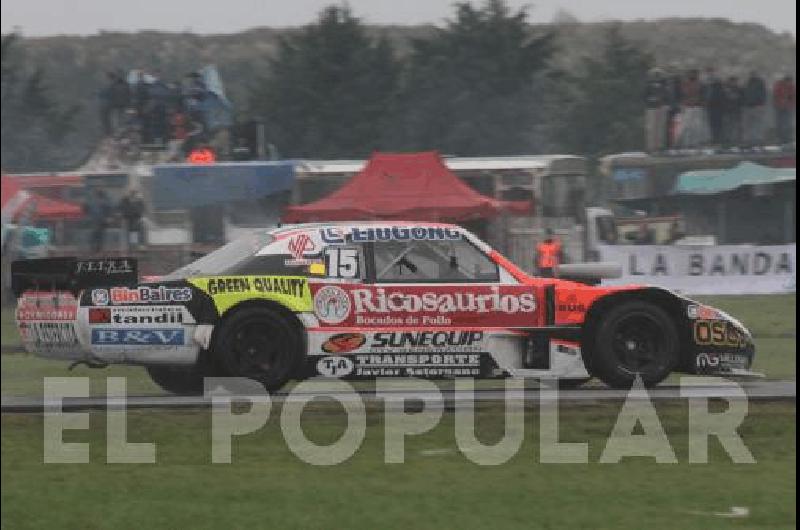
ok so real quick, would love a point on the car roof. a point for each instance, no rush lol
(311, 226)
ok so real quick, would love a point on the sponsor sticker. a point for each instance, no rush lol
(698, 311)
(139, 315)
(402, 365)
(425, 306)
(433, 341)
(417, 365)
(707, 360)
(245, 284)
(226, 291)
(332, 304)
(571, 304)
(335, 366)
(399, 301)
(105, 266)
(46, 306)
(316, 268)
(717, 333)
(145, 294)
(138, 337)
(344, 342)
(100, 297)
(338, 236)
(48, 333)
(99, 315)
(711, 361)
(300, 245)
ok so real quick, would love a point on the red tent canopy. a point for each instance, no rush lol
(410, 186)
(16, 200)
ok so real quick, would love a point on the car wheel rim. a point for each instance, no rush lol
(639, 344)
(258, 350)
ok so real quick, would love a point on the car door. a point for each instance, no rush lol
(449, 284)
(436, 308)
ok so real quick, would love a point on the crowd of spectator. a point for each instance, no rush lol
(141, 108)
(696, 110)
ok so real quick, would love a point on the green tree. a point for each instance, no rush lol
(33, 124)
(330, 89)
(602, 107)
(469, 87)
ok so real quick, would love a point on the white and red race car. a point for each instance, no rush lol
(362, 301)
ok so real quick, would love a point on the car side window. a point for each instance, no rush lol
(432, 261)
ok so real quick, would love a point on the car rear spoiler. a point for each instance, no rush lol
(589, 273)
(71, 274)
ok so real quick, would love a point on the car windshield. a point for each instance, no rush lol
(225, 258)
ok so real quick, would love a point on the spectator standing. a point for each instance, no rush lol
(645, 235)
(158, 95)
(673, 101)
(753, 108)
(194, 92)
(784, 99)
(115, 99)
(732, 112)
(98, 210)
(142, 104)
(549, 255)
(714, 99)
(131, 207)
(177, 122)
(693, 130)
(675, 233)
(656, 111)
(138, 90)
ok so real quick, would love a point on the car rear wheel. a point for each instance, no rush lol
(635, 339)
(259, 343)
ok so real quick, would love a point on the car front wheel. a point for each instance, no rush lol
(634, 339)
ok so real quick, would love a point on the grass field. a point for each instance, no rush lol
(267, 486)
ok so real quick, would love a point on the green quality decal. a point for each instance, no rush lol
(290, 291)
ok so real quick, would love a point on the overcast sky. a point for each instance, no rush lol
(51, 17)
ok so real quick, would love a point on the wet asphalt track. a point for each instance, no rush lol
(755, 390)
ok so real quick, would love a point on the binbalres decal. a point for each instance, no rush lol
(226, 291)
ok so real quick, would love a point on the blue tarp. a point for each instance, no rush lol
(713, 181)
(180, 186)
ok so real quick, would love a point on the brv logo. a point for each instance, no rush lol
(138, 337)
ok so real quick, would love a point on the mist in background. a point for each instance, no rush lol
(53, 17)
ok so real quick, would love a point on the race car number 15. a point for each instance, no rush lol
(341, 262)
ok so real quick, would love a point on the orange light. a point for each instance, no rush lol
(202, 155)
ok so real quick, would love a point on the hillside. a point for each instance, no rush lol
(75, 66)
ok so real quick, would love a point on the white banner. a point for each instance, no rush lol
(724, 269)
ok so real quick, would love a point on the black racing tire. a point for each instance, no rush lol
(259, 343)
(181, 380)
(635, 338)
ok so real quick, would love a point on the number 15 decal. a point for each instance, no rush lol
(342, 262)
